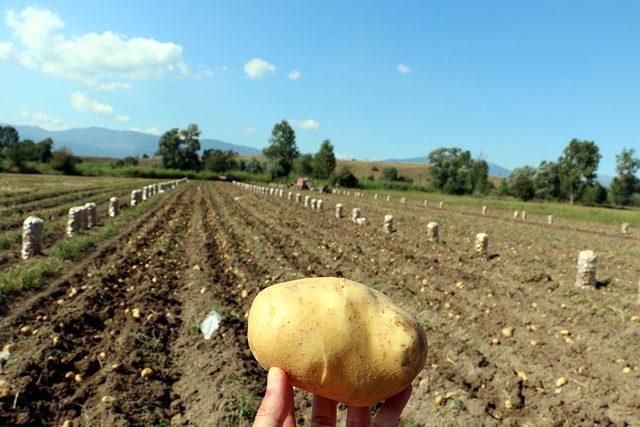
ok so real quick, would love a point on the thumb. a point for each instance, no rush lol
(278, 400)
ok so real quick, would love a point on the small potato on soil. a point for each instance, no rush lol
(561, 381)
(108, 399)
(146, 373)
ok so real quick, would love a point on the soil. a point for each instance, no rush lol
(201, 248)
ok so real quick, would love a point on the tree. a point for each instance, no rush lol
(547, 181)
(520, 183)
(478, 177)
(389, 174)
(179, 148)
(594, 194)
(345, 178)
(9, 137)
(126, 161)
(578, 166)
(626, 183)
(219, 160)
(64, 161)
(45, 150)
(303, 165)
(282, 147)
(254, 166)
(274, 169)
(449, 169)
(324, 162)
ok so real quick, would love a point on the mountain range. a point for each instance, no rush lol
(103, 142)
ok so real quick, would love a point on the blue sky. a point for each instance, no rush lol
(510, 80)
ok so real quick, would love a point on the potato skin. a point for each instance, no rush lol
(337, 338)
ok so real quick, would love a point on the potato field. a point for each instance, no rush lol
(104, 328)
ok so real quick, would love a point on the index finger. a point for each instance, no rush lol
(391, 409)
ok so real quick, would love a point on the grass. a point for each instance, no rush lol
(558, 210)
(10, 238)
(69, 249)
(24, 277)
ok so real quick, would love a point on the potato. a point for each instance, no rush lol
(337, 338)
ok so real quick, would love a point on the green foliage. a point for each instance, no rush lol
(594, 194)
(520, 183)
(578, 166)
(478, 177)
(10, 238)
(63, 160)
(26, 276)
(69, 249)
(453, 171)
(282, 148)
(303, 165)
(324, 162)
(179, 148)
(9, 137)
(254, 166)
(345, 178)
(127, 161)
(389, 174)
(275, 169)
(547, 181)
(219, 160)
(626, 184)
(370, 184)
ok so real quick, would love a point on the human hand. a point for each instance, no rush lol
(277, 408)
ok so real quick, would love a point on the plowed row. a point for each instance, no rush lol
(200, 248)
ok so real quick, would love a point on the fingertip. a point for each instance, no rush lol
(278, 399)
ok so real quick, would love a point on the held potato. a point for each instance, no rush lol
(337, 338)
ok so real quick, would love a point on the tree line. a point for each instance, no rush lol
(179, 149)
(452, 170)
(18, 155)
(572, 177)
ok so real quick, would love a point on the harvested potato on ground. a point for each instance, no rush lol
(337, 338)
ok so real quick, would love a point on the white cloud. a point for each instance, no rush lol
(259, 69)
(250, 131)
(42, 119)
(307, 124)
(403, 69)
(81, 102)
(341, 156)
(88, 58)
(7, 50)
(149, 130)
(294, 75)
(113, 86)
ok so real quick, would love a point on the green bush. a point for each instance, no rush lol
(64, 161)
(345, 178)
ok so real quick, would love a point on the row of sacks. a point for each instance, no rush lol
(587, 259)
(517, 214)
(84, 217)
(307, 201)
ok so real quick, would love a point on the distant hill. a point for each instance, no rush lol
(103, 142)
(494, 170)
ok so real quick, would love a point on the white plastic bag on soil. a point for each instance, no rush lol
(210, 324)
